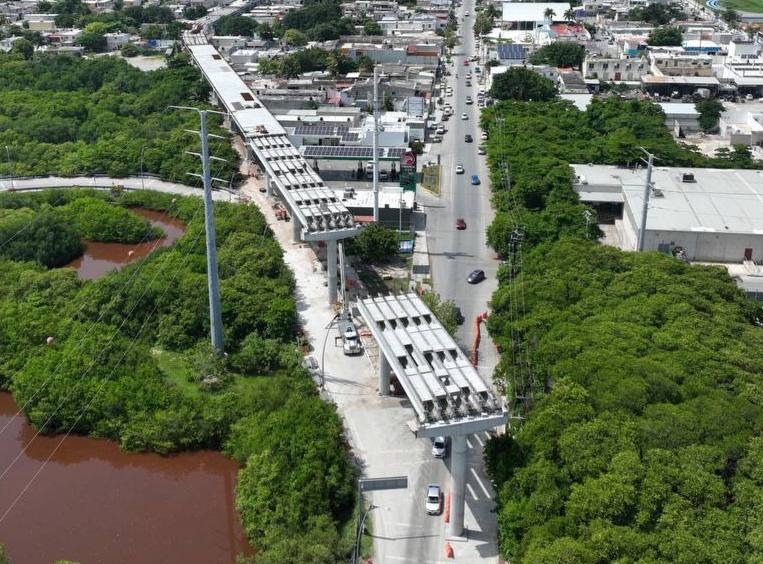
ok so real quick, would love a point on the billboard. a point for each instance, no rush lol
(408, 171)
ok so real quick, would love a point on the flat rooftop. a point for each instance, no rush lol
(719, 200)
(445, 390)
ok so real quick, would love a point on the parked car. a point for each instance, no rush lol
(458, 315)
(475, 180)
(433, 499)
(460, 224)
(383, 175)
(459, 169)
(468, 138)
(481, 150)
(439, 447)
(483, 136)
(475, 276)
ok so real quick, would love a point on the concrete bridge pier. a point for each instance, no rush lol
(384, 369)
(457, 484)
(296, 227)
(331, 269)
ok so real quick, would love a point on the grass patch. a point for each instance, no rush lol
(744, 5)
(177, 370)
(430, 179)
(348, 531)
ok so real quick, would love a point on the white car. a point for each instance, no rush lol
(433, 500)
(459, 170)
(483, 136)
(469, 101)
(464, 116)
(480, 150)
(466, 14)
(440, 444)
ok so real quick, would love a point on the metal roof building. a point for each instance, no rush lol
(715, 215)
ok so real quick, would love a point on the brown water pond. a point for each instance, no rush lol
(101, 258)
(94, 503)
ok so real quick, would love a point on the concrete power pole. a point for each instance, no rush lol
(213, 283)
(645, 208)
(376, 145)
(215, 315)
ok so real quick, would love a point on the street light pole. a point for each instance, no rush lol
(360, 531)
(10, 173)
(142, 183)
(645, 208)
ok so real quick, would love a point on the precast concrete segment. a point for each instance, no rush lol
(457, 484)
(331, 269)
(384, 369)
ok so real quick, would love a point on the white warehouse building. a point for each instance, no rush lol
(713, 215)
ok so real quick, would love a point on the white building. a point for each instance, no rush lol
(743, 66)
(116, 40)
(531, 15)
(714, 215)
(680, 118)
(606, 69)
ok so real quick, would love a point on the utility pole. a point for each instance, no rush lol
(376, 144)
(213, 284)
(647, 193)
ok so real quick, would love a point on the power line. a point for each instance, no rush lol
(87, 371)
(92, 399)
(133, 276)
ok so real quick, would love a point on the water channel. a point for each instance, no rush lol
(93, 503)
(101, 258)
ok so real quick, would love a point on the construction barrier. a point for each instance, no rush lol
(474, 357)
(446, 511)
(448, 550)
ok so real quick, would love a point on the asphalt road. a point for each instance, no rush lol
(453, 253)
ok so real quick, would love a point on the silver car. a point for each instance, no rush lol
(439, 447)
(434, 499)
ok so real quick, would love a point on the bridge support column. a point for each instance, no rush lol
(457, 484)
(331, 269)
(384, 369)
(296, 227)
(268, 185)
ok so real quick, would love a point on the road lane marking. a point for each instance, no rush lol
(471, 491)
(479, 481)
(479, 440)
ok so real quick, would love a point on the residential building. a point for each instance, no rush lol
(116, 40)
(607, 69)
(672, 62)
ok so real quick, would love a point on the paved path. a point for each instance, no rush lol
(131, 183)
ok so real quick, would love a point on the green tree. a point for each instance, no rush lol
(294, 38)
(667, 36)
(91, 41)
(559, 54)
(519, 83)
(194, 12)
(710, 111)
(730, 16)
(235, 25)
(23, 47)
(444, 310)
(375, 243)
(371, 27)
(265, 31)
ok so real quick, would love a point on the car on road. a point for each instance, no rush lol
(439, 447)
(459, 169)
(466, 14)
(481, 150)
(469, 101)
(468, 138)
(468, 82)
(433, 499)
(460, 224)
(466, 62)
(464, 116)
(458, 315)
(475, 180)
(476, 276)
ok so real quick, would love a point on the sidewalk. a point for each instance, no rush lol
(103, 182)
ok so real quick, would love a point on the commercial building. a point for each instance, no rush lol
(680, 118)
(712, 215)
(608, 69)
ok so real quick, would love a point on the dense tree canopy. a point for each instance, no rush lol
(665, 36)
(657, 14)
(130, 359)
(71, 116)
(235, 25)
(559, 54)
(710, 111)
(641, 440)
(519, 83)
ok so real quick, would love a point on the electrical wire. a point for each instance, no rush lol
(92, 399)
(133, 277)
(87, 371)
